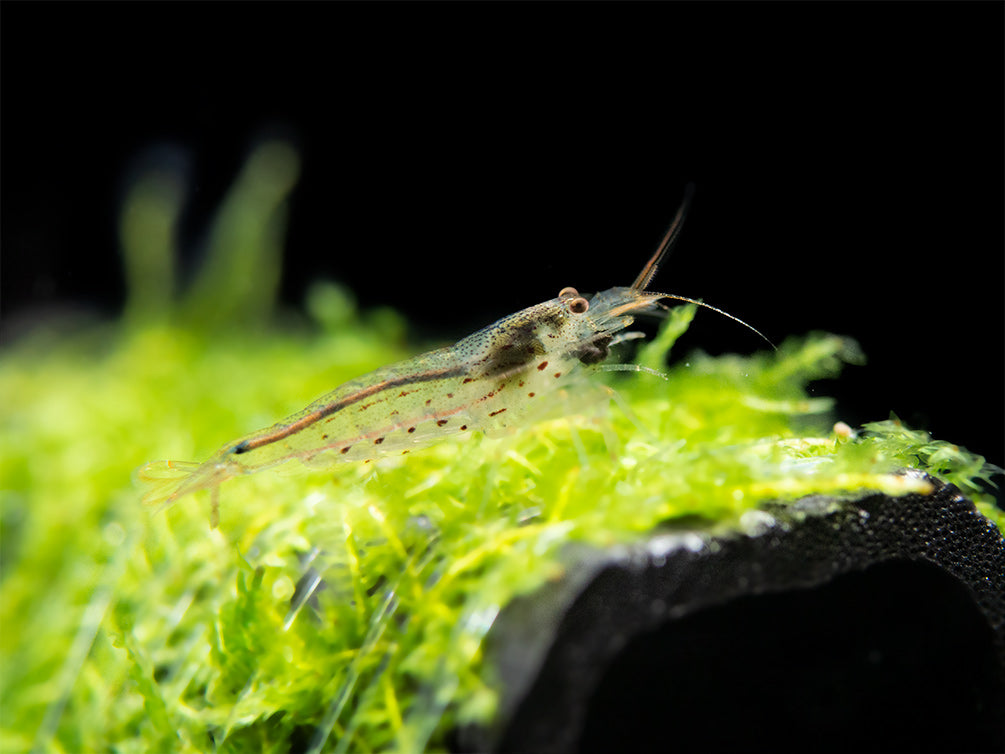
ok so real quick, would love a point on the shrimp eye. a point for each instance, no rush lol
(579, 305)
(568, 292)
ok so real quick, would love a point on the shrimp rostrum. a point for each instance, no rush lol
(489, 380)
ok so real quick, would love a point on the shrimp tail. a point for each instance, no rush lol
(164, 482)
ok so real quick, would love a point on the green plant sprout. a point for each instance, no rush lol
(128, 631)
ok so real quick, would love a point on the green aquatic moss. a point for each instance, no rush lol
(129, 630)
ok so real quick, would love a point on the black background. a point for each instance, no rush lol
(461, 161)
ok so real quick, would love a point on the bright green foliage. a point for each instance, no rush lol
(132, 631)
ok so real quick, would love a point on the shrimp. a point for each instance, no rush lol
(487, 381)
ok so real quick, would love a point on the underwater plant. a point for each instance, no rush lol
(344, 609)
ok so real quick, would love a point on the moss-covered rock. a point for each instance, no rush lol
(344, 609)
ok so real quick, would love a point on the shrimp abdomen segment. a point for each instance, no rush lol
(397, 408)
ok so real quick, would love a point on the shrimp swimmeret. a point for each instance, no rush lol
(487, 381)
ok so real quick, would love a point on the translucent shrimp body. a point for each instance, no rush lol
(489, 380)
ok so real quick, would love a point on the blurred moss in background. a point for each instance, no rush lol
(123, 629)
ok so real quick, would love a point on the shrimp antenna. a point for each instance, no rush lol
(715, 309)
(669, 239)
